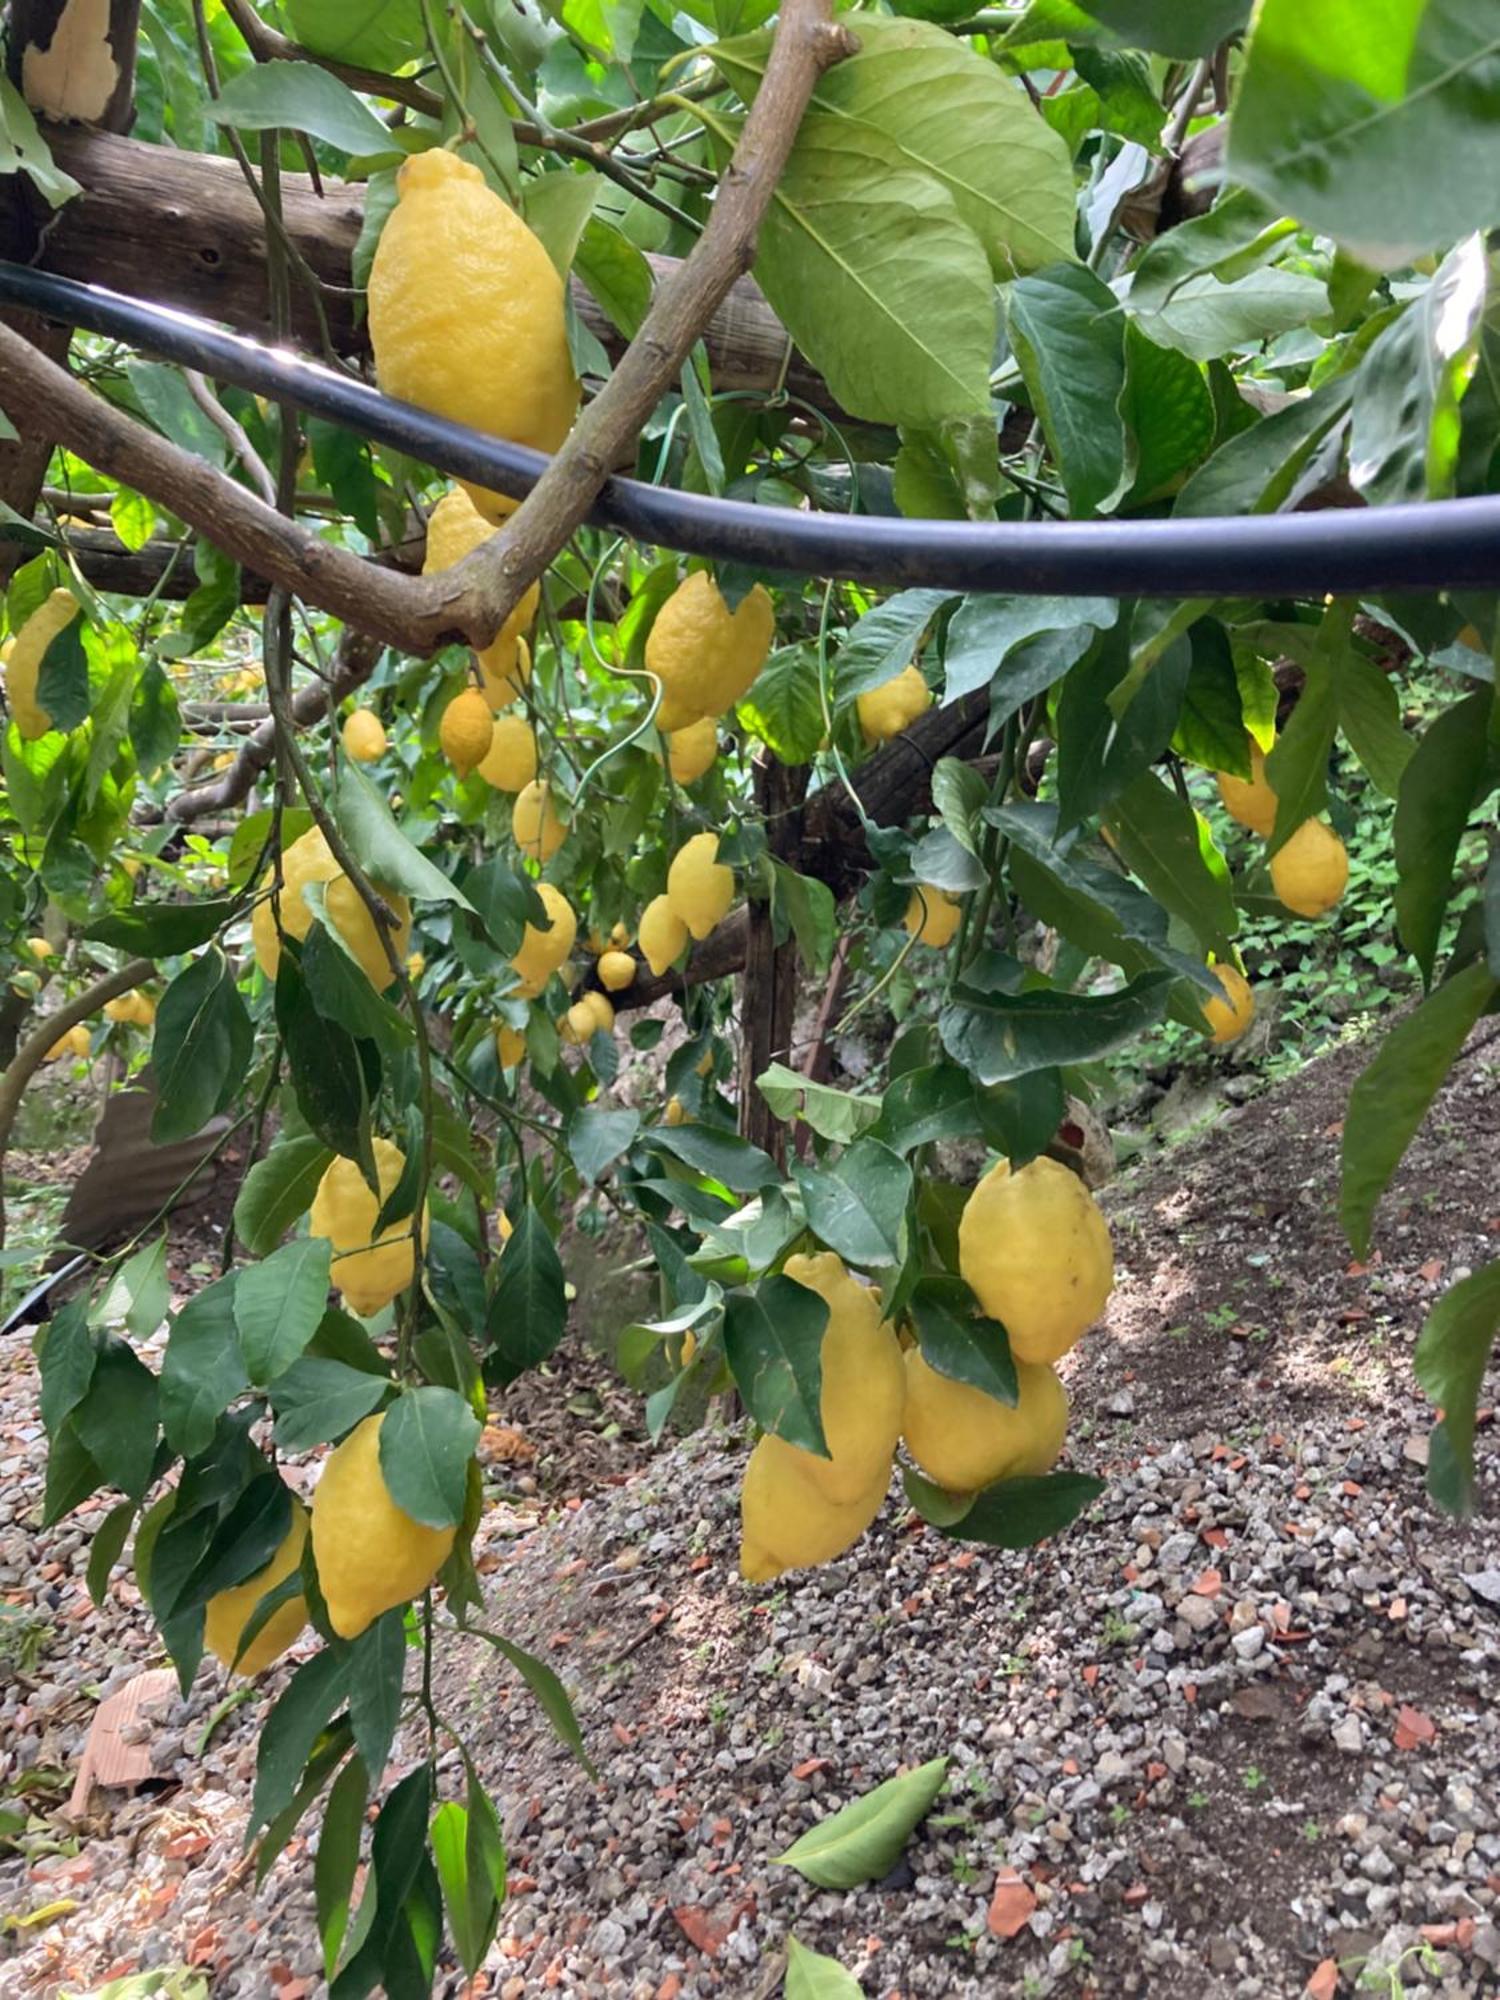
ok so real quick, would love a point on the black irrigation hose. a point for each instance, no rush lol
(1451, 544)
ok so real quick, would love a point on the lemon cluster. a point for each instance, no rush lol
(1310, 871)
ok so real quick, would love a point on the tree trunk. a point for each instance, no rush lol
(769, 1005)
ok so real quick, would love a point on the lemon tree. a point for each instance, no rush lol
(400, 918)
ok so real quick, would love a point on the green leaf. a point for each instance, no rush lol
(1453, 1352)
(1101, 753)
(812, 1976)
(300, 97)
(379, 34)
(1003, 1035)
(203, 1369)
(1018, 1513)
(839, 1115)
(24, 151)
(1405, 434)
(1019, 1118)
(337, 1857)
(959, 1341)
(426, 1441)
(327, 1070)
(864, 1841)
(380, 846)
(136, 1296)
(162, 930)
(1068, 337)
(278, 1304)
(338, 987)
(773, 1339)
(596, 1138)
(320, 1398)
(155, 725)
(739, 1166)
(1369, 713)
(469, 1850)
(1391, 1095)
(1170, 847)
(1168, 416)
(72, 1475)
(1256, 470)
(882, 643)
(810, 908)
(557, 208)
(1169, 28)
(547, 1688)
(1340, 117)
(106, 1548)
(241, 1543)
(377, 1668)
(117, 1420)
(958, 797)
(200, 1049)
(62, 687)
(316, 1692)
(924, 1105)
(529, 1309)
(617, 274)
(1438, 791)
(1211, 725)
(916, 99)
(278, 1190)
(67, 1358)
(857, 1205)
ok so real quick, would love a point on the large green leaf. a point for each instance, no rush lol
(1003, 1035)
(839, 1115)
(300, 97)
(200, 1048)
(1170, 847)
(1255, 471)
(1171, 27)
(469, 1850)
(1014, 1513)
(1391, 1096)
(278, 1190)
(427, 1438)
(596, 1137)
(1379, 126)
(379, 845)
(810, 1975)
(23, 150)
(1404, 438)
(203, 1369)
(279, 1303)
(987, 632)
(1168, 415)
(773, 1338)
(529, 1309)
(320, 1398)
(923, 101)
(1453, 1352)
(884, 641)
(1068, 338)
(161, 930)
(1438, 792)
(857, 1205)
(378, 34)
(864, 1841)
(784, 708)
(958, 1341)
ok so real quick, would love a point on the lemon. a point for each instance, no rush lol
(1250, 800)
(510, 762)
(543, 951)
(371, 1555)
(699, 887)
(534, 822)
(886, 710)
(616, 971)
(786, 1522)
(589, 1015)
(619, 937)
(1231, 1016)
(455, 529)
(1311, 871)
(506, 677)
(691, 751)
(228, 1612)
(465, 731)
(306, 861)
(77, 1042)
(39, 948)
(663, 935)
(864, 1386)
(705, 655)
(121, 1009)
(368, 1273)
(467, 312)
(416, 964)
(363, 736)
(23, 661)
(674, 1114)
(510, 1045)
(145, 1011)
(932, 915)
(504, 1227)
(1036, 1252)
(964, 1439)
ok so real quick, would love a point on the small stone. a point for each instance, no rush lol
(1349, 1736)
(1248, 1644)
(1199, 1614)
(1112, 1768)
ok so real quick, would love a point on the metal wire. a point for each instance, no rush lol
(1449, 544)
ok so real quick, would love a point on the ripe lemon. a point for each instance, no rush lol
(589, 1015)
(455, 529)
(705, 655)
(886, 710)
(467, 312)
(367, 1272)
(663, 935)
(23, 661)
(932, 915)
(1231, 1016)
(1250, 800)
(510, 762)
(363, 736)
(506, 674)
(616, 971)
(371, 1555)
(699, 887)
(504, 1227)
(465, 731)
(619, 937)
(534, 822)
(39, 948)
(691, 751)
(228, 1613)
(864, 1386)
(308, 860)
(964, 1439)
(510, 1045)
(1311, 872)
(543, 951)
(1036, 1252)
(76, 1042)
(786, 1522)
(122, 1009)
(674, 1113)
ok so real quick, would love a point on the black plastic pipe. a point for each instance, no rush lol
(1449, 544)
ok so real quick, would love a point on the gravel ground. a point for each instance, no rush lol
(1235, 1734)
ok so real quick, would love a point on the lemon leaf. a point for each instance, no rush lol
(864, 1841)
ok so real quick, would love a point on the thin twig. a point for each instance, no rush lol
(256, 470)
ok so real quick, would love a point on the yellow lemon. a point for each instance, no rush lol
(691, 751)
(674, 1113)
(363, 736)
(616, 971)
(699, 887)
(543, 951)
(76, 1042)
(1250, 800)
(369, 1273)
(886, 710)
(454, 530)
(510, 1045)
(467, 312)
(506, 676)
(510, 762)
(787, 1522)
(504, 1227)
(371, 1555)
(228, 1613)
(534, 822)
(1036, 1252)
(39, 948)
(465, 731)
(705, 655)
(23, 661)
(864, 1386)
(964, 1439)
(619, 937)
(663, 935)
(307, 861)
(1311, 871)
(1231, 1016)
(932, 915)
